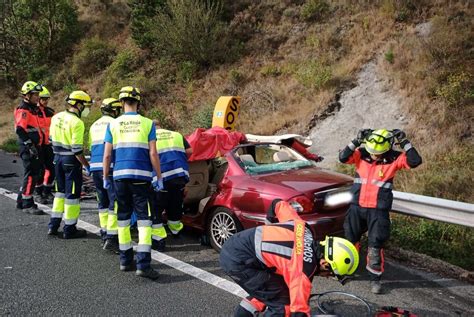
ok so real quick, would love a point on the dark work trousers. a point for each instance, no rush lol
(68, 185)
(170, 199)
(259, 282)
(133, 195)
(32, 168)
(47, 171)
(105, 197)
(265, 286)
(377, 225)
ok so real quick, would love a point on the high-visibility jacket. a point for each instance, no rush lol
(129, 134)
(285, 248)
(96, 142)
(67, 134)
(373, 181)
(172, 154)
(44, 116)
(27, 124)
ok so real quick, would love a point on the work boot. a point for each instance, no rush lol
(79, 233)
(52, 231)
(376, 287)
(158, 245)
(111, 245)
(129, 267)
(33, 210)
(148, 273)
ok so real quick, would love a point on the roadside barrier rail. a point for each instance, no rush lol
(444, 210)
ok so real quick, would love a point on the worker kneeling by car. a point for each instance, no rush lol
(276, 263)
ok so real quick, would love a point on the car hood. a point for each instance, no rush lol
(306, 179)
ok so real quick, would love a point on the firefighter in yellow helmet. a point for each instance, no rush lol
(67, 136)
(45, 182)
(376, 165)
(30, 139)
(275, 263)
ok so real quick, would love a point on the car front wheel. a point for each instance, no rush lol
(222, 225)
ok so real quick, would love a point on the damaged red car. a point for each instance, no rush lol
(232, 191)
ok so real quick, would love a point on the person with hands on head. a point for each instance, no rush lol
(376, 165)
(111, 109)
(173, 151)
(132, 140)
(67, 136)
(275, 263)
(30, 138)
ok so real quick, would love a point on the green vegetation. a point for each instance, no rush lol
(92, 56)
(452, 243)
(10, 145)
(30, 49)
(314, 10)
(389, 56)
(313, 74)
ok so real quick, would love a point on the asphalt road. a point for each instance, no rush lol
(40, 275)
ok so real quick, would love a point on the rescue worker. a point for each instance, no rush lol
(173, 151)
(132, 138)
(275, 263)
(376, 165)
(111, 109)
(30, 138)
(67, 136)
(45, 182)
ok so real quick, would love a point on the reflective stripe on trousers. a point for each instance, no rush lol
(124, 237)
(103, 218)
(158, 232)
(175, 226)
(72, 209)
(112, 224)
(144, 235)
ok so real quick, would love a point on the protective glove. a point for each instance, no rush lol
(319, 159)
(400, 135)
(158, 185)
(32, 149)
(363, 134)
(106, 183)
(87, 170)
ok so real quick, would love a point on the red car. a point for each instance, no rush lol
(231, 193)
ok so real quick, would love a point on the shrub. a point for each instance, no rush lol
(389, 56)
(186, 71)
(270, 71)
(456, 89)
(313, 74)
(192, 31)
(10, 146)
(235, 76)
(120, 71)
(314, 10)
(202, 118)
(164, 121)
(93, 55)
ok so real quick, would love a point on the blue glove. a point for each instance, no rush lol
(106, 183)
(158, 185)
(87, 170)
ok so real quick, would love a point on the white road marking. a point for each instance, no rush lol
(176, 264)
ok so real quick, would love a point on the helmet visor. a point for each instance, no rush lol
(378, 139)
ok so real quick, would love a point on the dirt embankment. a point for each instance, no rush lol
(370, 104)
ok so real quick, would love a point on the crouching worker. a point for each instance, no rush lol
(275, 263)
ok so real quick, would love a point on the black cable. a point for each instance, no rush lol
(320, 306)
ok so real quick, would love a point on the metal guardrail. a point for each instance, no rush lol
(444, 210)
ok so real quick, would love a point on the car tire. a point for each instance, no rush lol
(222, 225)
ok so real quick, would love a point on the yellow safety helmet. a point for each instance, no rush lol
(379, 142)
(111, 106)
(31, 86)
(341, 255)
(129, 92)
(79, 96)
(45, 93)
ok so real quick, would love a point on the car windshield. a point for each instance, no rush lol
(268, 158)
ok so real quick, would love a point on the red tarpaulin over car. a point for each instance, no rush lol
(212, 143)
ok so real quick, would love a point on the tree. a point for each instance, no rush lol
(35, 34)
